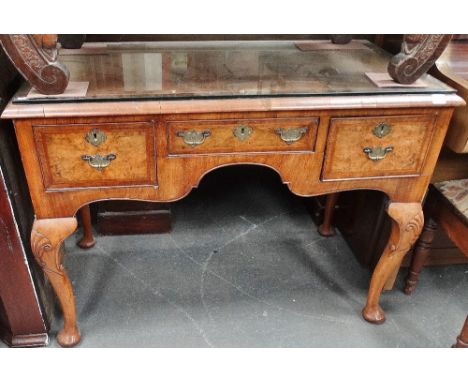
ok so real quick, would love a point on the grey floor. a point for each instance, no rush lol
(245, 267)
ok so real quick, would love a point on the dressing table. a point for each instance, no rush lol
(146, 121)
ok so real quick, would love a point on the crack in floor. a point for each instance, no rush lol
(158, 293)
(206, 270)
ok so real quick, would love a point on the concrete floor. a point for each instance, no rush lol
(245, 267)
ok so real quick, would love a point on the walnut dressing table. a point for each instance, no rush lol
(146, 121)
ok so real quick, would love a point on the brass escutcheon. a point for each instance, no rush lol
(95, 137)
(242, 132)
(377, 153)
(193, 138)
(382, 129)
(98, 161)
(291, 135)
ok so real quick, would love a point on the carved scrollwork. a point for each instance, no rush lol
(418, 54)
(409, 233)
(43, 250)
(39, 66)
(47, 236)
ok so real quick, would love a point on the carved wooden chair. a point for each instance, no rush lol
(447, 207)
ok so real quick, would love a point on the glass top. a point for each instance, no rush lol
(223, 69)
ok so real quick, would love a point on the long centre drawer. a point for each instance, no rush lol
(242, 135)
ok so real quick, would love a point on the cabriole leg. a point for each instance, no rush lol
(407, 222)
(47, 237)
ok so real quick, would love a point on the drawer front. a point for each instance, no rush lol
(377, 146)
(242, 135)
(96, 155)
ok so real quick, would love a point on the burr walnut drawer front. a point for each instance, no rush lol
(366, 147)
(242, 135)
(96, 155)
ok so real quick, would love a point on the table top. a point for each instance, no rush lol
(181, 70)
(239, 75)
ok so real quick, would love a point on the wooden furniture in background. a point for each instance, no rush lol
(462, 339)
(452, 68)
(446, 207)
(22, 322)
(159, 145)
(133, 218)
(21, 319)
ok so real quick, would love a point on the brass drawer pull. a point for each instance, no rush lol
(382, 129)
(193, 138)
(291, 135)
(98, 161)
(377, 153)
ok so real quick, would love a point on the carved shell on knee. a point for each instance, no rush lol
(41, 245)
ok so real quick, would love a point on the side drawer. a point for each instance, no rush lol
(96, 155)
(242, 135)
(367, 147)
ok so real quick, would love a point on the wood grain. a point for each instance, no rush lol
(263, 138)
(61, 147)
(177, 174)
(409, 138)
(407, 223)
(47, 237)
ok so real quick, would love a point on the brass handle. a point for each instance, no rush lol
(193, 138)
(291, 135)
(377, 153)
(98, 161)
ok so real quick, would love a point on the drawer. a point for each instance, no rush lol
(242, 135)
(96, 155)
(367, 147)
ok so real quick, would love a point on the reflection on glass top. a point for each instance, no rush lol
(173, 70)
